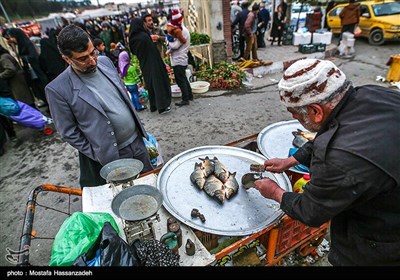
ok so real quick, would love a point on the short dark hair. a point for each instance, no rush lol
(145, 16)
(255, 7)
(97, 42)
(245, 4)
(72, 38)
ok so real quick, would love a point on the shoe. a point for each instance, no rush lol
(182, 103)
(141, 109)
(41, 104)
(165, 111)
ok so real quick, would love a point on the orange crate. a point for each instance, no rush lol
(291, 232)
(210, 241)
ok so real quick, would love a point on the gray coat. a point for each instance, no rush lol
(11, 71)
(79, 117)
(355, 179)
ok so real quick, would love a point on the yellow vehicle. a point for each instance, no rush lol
(379, 20)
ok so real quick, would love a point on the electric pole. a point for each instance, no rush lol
(5, 13)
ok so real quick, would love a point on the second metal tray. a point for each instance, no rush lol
(275, 140)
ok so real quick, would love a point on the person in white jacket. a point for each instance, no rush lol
(178, 52)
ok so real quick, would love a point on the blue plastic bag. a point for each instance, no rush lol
(30, 117)
(9, 107)
(299, 167)
(151, 146)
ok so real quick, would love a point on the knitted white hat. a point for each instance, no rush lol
(309, 81)
(176, 15)
(176, 18)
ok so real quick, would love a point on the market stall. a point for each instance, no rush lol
(245, 229)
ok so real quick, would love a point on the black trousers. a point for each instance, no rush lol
(347, 28)
(8, 126)
(90, 169)
(182, 82)
(242, 44)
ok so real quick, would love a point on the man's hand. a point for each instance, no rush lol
(154, 38)
(278, 165)
(269, 189)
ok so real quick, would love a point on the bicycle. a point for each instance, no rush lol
(235, 43)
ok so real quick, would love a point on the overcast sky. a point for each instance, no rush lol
(102, 2)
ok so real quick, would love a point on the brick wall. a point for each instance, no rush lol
(226, 11)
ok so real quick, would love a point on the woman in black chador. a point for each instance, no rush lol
(278, 25)
(153, 67)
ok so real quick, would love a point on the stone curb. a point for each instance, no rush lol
(276, 67)
(281, 66)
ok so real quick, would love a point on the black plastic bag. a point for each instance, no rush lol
(114, 251)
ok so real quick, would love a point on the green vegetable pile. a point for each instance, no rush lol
(223, 76)
(199, 38)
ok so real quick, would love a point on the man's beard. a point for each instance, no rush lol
(89, 70)
(309, 125)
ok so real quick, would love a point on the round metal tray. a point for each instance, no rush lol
(121, 170)
(245, 213)
(275, 140)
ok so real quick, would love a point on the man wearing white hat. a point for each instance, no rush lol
(178, 48)
(354, 163)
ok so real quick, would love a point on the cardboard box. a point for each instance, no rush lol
(301, 38)
(323, 38)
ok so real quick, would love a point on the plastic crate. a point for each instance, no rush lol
(287, 42)
(320, 47)
(306, 48)
(210, 241)
(291, 232)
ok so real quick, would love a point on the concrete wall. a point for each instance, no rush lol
(213, 18)
(218, 12)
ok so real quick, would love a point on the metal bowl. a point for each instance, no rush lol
(137, 202)
(121, 170)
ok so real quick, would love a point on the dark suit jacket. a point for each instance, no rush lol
(79, 117)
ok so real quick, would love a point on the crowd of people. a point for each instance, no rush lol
(355, 183)
(256, 21)
(135, 43)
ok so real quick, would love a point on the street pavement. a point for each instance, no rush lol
(214, 118)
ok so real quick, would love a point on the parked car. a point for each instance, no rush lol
(379, 20)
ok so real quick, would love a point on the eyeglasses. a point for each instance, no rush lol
(85, 58)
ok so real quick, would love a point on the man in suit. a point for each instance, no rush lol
(91, 108)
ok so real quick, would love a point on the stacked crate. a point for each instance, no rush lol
(287, 37)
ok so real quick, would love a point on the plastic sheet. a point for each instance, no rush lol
(30, 117)
(9, 107)
(76, 235)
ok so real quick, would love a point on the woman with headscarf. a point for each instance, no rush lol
(11, 71)
(153, 67)
(26, 51)
(50, 58)
(131, 78)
